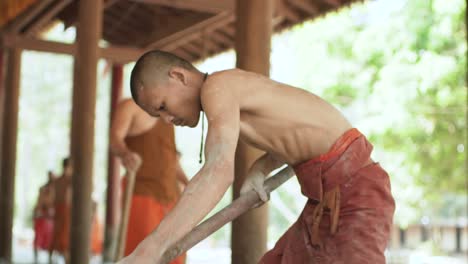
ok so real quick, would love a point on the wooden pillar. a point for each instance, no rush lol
(8, 164)
(394, 237)
(2, 107)
(83, 113)
(458, 238)
(2, 96)
(402, 236)
(112, 200)
(253, 37)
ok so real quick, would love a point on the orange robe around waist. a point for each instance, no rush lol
(43, 232)
(157, 175)
(145, 216)
(61, 238)
(156, 189)
(348, 215)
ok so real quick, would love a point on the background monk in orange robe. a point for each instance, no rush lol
(44, 217)
(60, 241)
(136, 135)
(62, 219)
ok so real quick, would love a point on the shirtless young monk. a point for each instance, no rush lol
(349, 211)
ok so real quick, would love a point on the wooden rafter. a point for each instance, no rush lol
(71, 17)
(277, 21)
(209, 6)
(24, 19)
(114, 53)
(221, 38)
(179, 38)
(305, 5)
(183, 53)
(122, 19)
(110, 3)
(45, 18)
(230, 30)
(334, 3)
(285, 10)
(193, 48)
(208, 45)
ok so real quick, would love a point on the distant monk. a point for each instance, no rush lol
(135, 135)
(96, 232)
(62, 221)
(60, 242)
(44, 217)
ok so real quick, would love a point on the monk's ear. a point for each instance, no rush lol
(178, 74)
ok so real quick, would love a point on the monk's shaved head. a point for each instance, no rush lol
(153, 67)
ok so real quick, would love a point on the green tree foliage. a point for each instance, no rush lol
(399, 75)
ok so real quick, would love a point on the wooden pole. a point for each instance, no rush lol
(229, 213)
(112, 199)
(127, 201)
(8, 164)
(2, 100)
(253, 37)
(84, 107)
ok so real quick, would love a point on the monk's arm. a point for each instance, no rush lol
(266, 164)
(120, 127)
(255, 179)
(181, 177)
(208, 186)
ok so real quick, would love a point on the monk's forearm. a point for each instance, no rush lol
(118, 146)
(201, 195)
(266, 164)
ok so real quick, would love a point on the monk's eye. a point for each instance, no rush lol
(162, 107)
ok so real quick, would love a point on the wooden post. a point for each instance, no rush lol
(83, 113)
(2, 100)
(2, 107)
(112, 200)
(253, 37)
(8, 164)
(402, 237)
(458, 238)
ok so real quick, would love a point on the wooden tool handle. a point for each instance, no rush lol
(127, 199)
(226, 215)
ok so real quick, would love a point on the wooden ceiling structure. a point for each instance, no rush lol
(192, 29)
(120, 31)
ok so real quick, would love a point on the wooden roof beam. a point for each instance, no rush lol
(207, 45)
(116, 54)
(109, 3)
(193, 48)
(334, 3)
(45, 18)
(208, 6)
(305, 5)
(230, 30)
(184, 54)
(179, 38)
(221, 38)
(71, 18)
(24, 19)
(284, 9)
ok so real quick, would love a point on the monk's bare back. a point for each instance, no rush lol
(291, 124)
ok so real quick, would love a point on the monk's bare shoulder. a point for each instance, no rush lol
(218, 87)
(127, 105)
